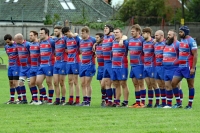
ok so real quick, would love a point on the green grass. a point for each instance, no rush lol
(62, 119)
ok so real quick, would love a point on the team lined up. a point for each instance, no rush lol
(162, 63)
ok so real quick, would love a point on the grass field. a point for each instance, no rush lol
(94, 119)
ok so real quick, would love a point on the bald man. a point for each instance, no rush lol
(23, 48)
(159, 69)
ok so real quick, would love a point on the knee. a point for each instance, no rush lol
(124, 85)
(83, 84)
(49, 83)
(174, 85)
(70, 81)
(21, 81)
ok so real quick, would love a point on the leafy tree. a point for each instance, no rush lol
(194, 10)
(145, 10)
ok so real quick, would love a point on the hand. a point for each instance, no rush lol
(121, 43)
(66, 51)
(192, 71)
(75, 34)
(94, 47)
(154, 40)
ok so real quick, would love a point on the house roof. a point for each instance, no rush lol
(36, 10)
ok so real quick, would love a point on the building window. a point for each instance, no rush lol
(67, 4)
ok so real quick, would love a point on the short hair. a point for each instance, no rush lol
(148, 30)
(7, 37)
(85, 29)
(65, 29)
(101, 35)
(173, 31)
(34, 32)
(118, 29)
(58, 27)
(136, 27)
(46, 31)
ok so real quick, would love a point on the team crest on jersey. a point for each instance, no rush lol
(136, 43)
(16, 72)
(140, 75)
(149, 46)
(76, 70)
(170, 49)
(152, 74)
(123, 76)
(49, 72)
(62, 71)
(46, 46)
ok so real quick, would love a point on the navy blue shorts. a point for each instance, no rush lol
(24, 72)
(33, 71)
(13, 71)
(169, 72)
(184, 72)
(100, 73)
(149, 72)
(137, 72)
(45, 70)
(73, 68)
(107, 72)
(159, 72)
(87, 70)
(119, 74)
(60, 68)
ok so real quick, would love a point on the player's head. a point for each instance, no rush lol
(135, 30)
(57, 31)
(118, 33)
(8, 39)
(99, 37)
(66, 31)
(85, 31)
(108, 29)
(33, 35)
(171, 37)
(159, 35)
(19, 39)
(146, 32)
(44, 33)
(184, 31)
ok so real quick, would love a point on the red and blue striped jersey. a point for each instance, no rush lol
(86, 51)
(60, 45)
(185, 52)
(11, 51)
(119, 55)
(136, 51)
(72, 46)
(35, 54)
(107, 48)
(24, 53)
(148, 49)
(158, 51)
(171, 54)
(99, 53)
(47, 49)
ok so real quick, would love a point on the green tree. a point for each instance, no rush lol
(147, 11)
(194, 10)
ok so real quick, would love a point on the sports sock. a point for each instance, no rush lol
(34, 93)
(163, 96)
(150, 96)
(50, 96)
(12, 94)
(176, 94)
(18, 90)
(191, 96)
(157, 95)
(181, 94)
(103, 92)
(23, 91)
(169, 97)
(137, 97)
(143, 96)
(114, 93)
(109, 94)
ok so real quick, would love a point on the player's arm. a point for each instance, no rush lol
(195, 55)
(121, 42)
